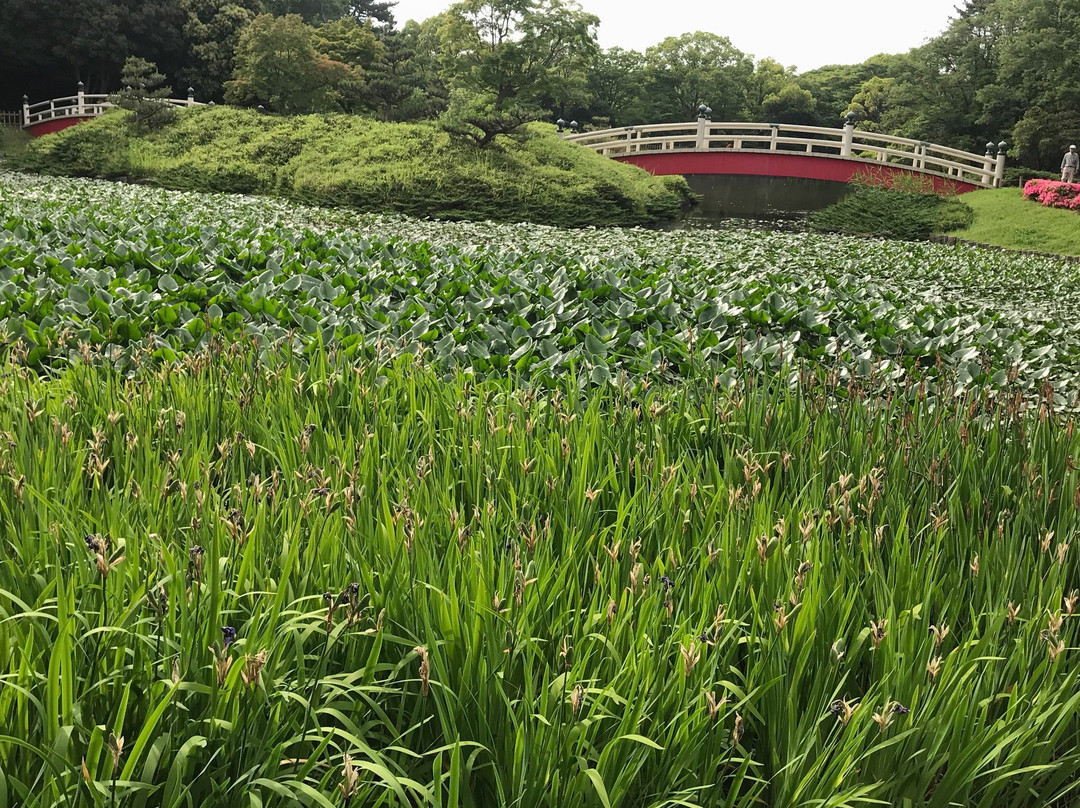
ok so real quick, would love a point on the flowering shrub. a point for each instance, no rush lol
(1053, 194)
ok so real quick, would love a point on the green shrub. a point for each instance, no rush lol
(870, 210)
(411, 168)
(13, 142)
(1018, 175)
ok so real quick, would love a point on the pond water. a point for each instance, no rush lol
(734, 200)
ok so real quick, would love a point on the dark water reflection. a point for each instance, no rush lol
(779, 203)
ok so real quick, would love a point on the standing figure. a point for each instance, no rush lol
(1069, 163)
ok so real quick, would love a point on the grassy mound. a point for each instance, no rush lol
(414, 169)
(1003, 217)
(869, 210)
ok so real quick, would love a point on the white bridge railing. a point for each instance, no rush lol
(847, 143)
(82, 105)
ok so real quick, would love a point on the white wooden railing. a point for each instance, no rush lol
(82, 105)
(10, 118)
(847, 143)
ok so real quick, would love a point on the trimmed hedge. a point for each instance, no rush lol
(871, 211)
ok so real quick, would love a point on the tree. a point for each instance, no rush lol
(475, 118)
(346, 40)
(47, 46)
(872, 104)
(404, 82)
(312, 12)
(614, 86)
(277, 65)
(768, 79)
(212, 31)
(144, 93)
(516, 53)
(1037, 55)
(792, 104)
(380, 13)
(693, 69)
(835, 85)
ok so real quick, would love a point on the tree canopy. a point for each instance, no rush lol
(1001, 69)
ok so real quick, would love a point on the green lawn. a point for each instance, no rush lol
(1004, 217)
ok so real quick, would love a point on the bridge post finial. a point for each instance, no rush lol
(561, 123)
(191, 96)
(988, 164)
(81, 99)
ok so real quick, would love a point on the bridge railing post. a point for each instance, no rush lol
(25, 111)
(848, 136)
(773, 135)
(988, 165)
(999, 166)
(81, 109)
(702, 128)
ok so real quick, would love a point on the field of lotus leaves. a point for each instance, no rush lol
(149, 271)
(368, 511)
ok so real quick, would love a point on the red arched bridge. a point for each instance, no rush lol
(790, 150)
(60, 113)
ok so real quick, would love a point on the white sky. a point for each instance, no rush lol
(804, 33)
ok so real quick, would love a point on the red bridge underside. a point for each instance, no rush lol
(773, 164)
(48, 127)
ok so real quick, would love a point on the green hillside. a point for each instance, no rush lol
(413, 168)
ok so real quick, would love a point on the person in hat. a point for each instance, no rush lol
(1069, 163)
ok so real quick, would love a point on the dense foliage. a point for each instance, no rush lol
(370, 165)
(890, 213)
(243, 580)
(1053, 194)
(145, 270)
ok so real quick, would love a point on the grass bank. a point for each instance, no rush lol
(1003, 217)
(414, 169)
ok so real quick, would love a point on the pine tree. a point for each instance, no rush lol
(144, 93)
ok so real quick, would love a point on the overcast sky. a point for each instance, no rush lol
(804, 33)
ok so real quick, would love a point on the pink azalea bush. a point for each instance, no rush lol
(1053, 194)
